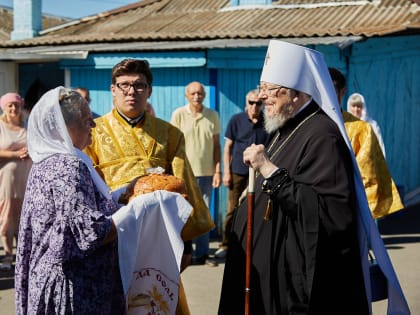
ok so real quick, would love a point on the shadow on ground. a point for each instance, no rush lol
(405, 221)
(401, 227)
(7, 279)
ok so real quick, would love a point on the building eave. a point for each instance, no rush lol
(80, 51)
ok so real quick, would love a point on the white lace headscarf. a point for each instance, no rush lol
(358, 98)
(47, 131)
(48, 135)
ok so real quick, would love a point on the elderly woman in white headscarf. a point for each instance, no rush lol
(67, 254)
(356, 105)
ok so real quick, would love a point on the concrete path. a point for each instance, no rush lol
(401, 234)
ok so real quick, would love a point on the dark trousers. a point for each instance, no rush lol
(239, 183)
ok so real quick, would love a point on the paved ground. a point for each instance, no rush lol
(401, 234)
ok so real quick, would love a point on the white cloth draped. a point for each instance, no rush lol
(150, 249)
(98, 181)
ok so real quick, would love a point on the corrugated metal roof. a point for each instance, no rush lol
(198, 20)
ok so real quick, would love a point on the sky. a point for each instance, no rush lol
(75, 8)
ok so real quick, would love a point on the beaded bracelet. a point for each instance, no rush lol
(272, 184)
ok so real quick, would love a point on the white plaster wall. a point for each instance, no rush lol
(8, 77)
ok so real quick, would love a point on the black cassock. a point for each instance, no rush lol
(305, 259)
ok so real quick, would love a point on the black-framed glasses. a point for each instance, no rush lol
(137, 86)
(258, 103)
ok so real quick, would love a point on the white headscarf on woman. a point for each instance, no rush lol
(47, 131)
(48, 135)
(358, 98)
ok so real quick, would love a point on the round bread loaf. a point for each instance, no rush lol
(151, 182)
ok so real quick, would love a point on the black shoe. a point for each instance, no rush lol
(199, 260)
(220, 253)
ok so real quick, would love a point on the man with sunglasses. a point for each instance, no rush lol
(243, 129)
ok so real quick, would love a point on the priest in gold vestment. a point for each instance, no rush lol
(127, 141)
(381, 191)
(121, 153)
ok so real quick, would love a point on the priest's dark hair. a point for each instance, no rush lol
(132, 66)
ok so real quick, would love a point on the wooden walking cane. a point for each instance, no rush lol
(251, 184)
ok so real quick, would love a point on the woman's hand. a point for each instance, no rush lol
(20, 154)
(112, 235)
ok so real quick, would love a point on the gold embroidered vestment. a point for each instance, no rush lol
(120, 153)
(381, 191)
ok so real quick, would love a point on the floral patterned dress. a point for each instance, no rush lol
(61, 265)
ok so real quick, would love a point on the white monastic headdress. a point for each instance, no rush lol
(305, 70)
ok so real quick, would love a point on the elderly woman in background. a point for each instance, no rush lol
(356, 105)
(14, 169)
(66, 258)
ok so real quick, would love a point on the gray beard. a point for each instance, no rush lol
(277, 121)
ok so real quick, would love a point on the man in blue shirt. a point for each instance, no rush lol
(242, 130)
